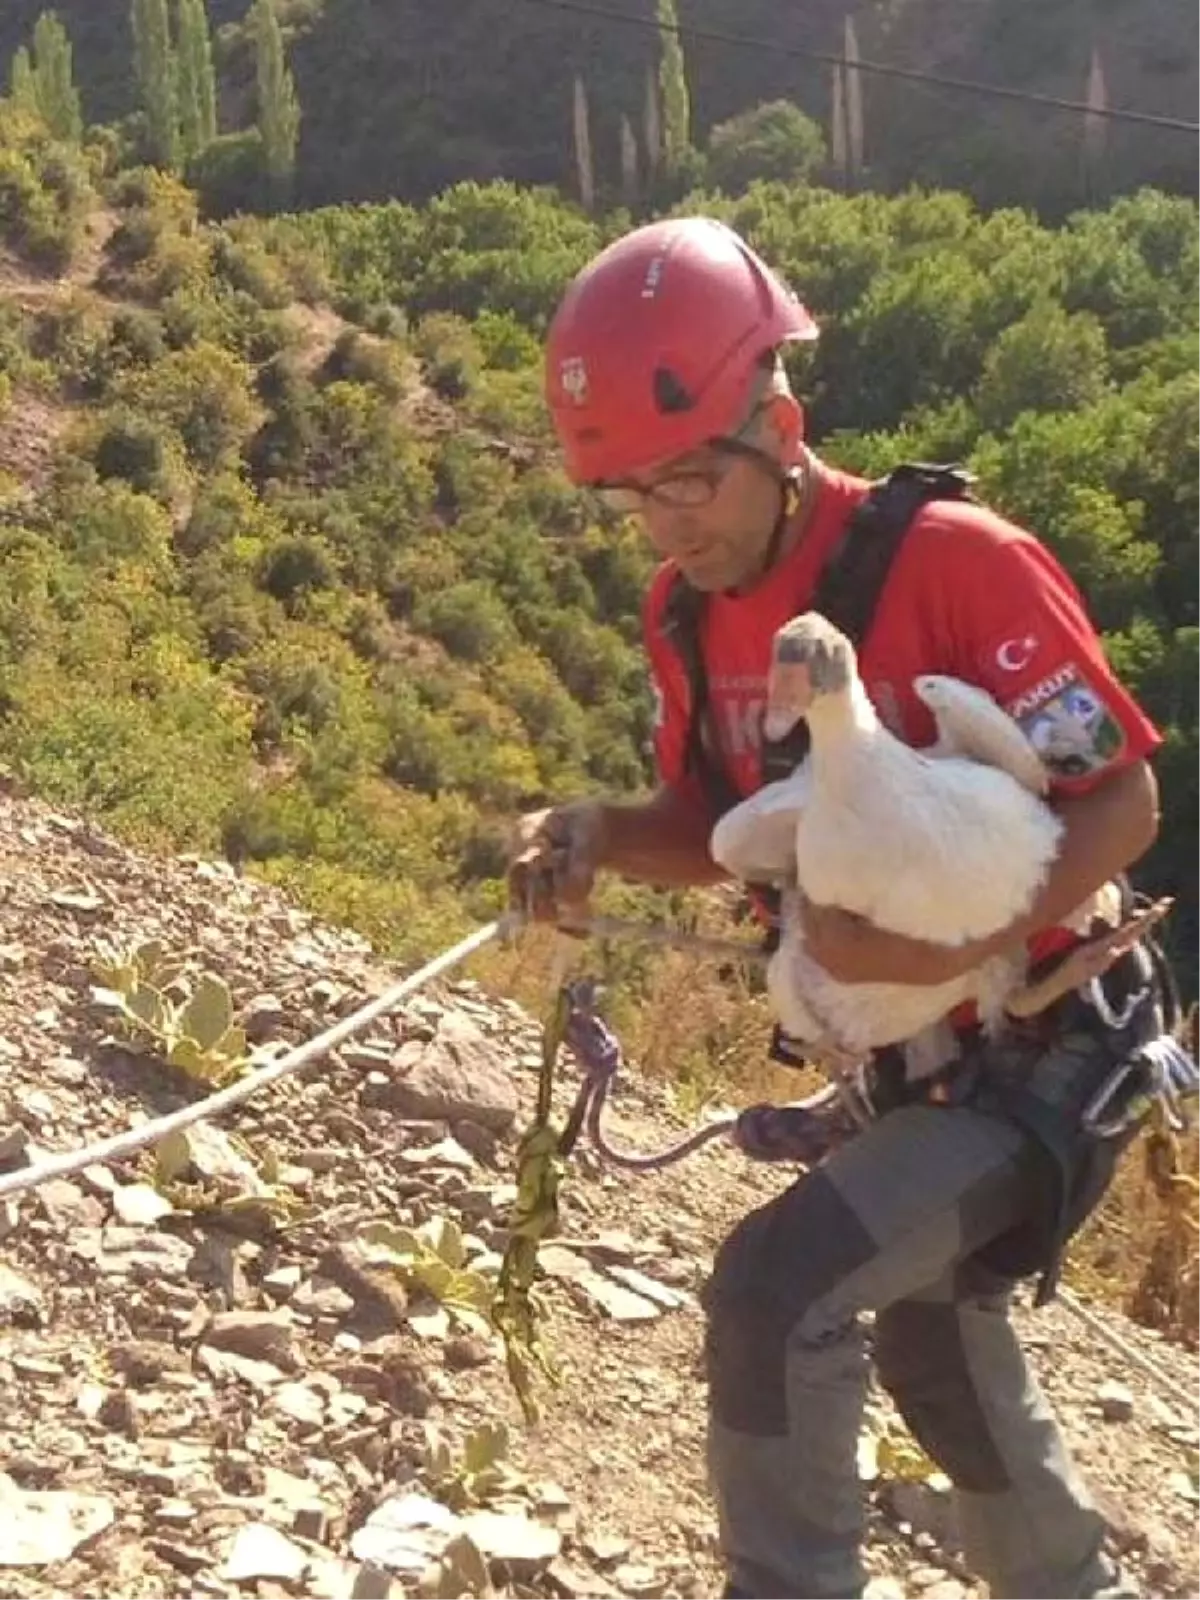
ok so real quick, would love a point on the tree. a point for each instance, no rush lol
(45, 83)
(24, 85)
(197, 85)
(771, 141)
(154, 70)
(1051, 360)
(57, 95)
(278, 107)
(672, 77)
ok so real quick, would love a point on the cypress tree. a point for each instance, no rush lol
(24, 85)
(672, 77)
(54, 78)
(197, 84)
(154, 70)
(278, 107)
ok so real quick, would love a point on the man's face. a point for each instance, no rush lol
(712, 511)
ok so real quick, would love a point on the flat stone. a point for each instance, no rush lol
(405, 1534)
(524, 1546)
(457, 1074)
(604, 1547)
(446, 1153)
(42, 1526)
(643, 1583)
(140, 1205)
(320, 1297)
(261, 1551)
(283, 1282)
(649, 1288)
(300, 1403)
(257, 1335)
(622, 1305)
(20, 1301)
(1115, 1400)
(139, 1254)
(577, 1583)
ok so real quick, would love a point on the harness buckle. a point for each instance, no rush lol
(1163, 1073)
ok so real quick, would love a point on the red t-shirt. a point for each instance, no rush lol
(969, 595)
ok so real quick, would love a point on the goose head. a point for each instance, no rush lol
(811, 661)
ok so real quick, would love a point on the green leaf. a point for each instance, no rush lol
(208, 1015)
(445, 1235)
(187, 1055)
(148, 1006)
(436, 1276)
(231, 1048)
(485, 1447)
(148, 957)
(172, 1158)
(399, 1246)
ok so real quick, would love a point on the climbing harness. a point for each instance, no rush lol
(1116, 988)
(1151, 1084)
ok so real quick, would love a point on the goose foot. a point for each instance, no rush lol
(844, 1068)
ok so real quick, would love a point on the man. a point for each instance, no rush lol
(668, 397)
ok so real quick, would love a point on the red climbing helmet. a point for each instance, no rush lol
(652, 350)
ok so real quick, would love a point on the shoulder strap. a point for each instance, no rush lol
(852, 581)
(680, 624)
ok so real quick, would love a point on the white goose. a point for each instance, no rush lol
(966, 847)
(946, 844)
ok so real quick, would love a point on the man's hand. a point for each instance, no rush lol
(554, 860)
(853, 950)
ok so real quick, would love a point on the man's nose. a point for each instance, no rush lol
(668, 528)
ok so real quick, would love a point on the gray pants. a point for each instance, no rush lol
(889, 1222)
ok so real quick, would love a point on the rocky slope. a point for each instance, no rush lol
(201, 1396)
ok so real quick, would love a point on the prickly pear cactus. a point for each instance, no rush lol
(195, 1033)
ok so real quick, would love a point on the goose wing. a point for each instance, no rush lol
(756, 840)
(971, 724)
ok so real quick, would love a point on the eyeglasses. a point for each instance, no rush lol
(685, 491)
(682, 491)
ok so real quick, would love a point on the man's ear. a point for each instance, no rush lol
(783, 423)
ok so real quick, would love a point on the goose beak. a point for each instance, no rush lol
(789, 695)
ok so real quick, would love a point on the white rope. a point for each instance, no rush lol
(124, 1144)
(1170, 1386)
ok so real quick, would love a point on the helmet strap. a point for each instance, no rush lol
(791, 489)
(792, 483)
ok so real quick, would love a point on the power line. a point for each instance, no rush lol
(880, 69)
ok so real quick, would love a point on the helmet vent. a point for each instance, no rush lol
(670, 396)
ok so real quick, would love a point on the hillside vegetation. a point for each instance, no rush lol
(328, 568)
(289, 571)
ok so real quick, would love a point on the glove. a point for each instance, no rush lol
(555, 856)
